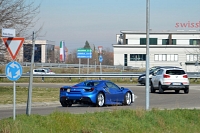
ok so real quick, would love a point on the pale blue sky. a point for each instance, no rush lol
(98, 21)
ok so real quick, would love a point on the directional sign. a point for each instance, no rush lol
(100, 58)
(13, 45)
(8, 32)
(84, 53)
(100, 49)
(13, 71)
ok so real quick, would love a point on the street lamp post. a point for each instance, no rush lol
(147, 53)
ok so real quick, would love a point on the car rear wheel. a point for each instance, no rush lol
(152, 88)
(127, 98)
(186, 90)
(63, 104)
(160, 89)
(66, 104)
(100, 100)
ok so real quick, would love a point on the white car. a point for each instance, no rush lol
(170, 79)
(42, 71)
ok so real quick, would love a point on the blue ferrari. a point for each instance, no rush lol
(95, 92)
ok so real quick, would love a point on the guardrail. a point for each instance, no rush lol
(62, 65)
(87, 76)
(79, 75)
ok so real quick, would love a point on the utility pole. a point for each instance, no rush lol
(28, 108)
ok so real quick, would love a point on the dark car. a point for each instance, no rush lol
(142, 77)
(95, 92)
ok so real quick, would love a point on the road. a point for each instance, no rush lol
(168, 100)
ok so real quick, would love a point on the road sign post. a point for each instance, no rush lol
(84, 53)
(13, 72)
(100, 57)
(100, 60)
(13, 69)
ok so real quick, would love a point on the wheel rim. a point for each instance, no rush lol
(100, 100)
(128, 98)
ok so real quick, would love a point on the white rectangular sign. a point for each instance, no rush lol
(8, 32)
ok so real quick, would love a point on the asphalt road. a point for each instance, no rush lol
(168, 100)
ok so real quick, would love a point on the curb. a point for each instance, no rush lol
(36, 104)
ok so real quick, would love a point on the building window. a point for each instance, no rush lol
(194, 41)
(125, 60)
(142, 41)
(192, 57)
(137, 57)
(152, 41)
(166, 42)
(126, 41)
(156, 57)
(165, 57)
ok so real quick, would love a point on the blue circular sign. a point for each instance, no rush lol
(100, 58)
(13, 71)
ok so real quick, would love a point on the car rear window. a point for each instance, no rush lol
(175, 72)
(90, 84)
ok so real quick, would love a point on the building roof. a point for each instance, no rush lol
(161, 32)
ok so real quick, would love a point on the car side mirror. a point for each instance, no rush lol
(122, 88)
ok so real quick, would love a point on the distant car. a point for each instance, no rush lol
(42, 71)
(142, 77)
(170, 79)
(95, 92)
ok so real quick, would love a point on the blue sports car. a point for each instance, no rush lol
(96, 92)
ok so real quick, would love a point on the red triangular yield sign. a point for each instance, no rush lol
(13, 45)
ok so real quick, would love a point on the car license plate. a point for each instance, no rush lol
(176, 83)
(68, 90)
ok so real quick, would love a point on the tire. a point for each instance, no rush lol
(152, 88)
(63, 104)
(186, 91)
(100, 101)
(127, 98)
(177, 91)
(66, 104)
(160, 89)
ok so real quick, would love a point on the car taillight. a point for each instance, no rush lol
(61, 89)
(185, 76)
(166, 76)
(89, 90)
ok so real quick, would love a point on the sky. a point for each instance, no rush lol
(99, 21)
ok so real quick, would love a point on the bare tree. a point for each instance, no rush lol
(108, 56)
(19, 15)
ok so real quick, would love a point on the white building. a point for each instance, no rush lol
(44, 51)
(179, 48)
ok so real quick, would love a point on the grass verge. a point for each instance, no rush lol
(118, 121)
(38, 94)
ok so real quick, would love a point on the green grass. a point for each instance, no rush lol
(118, 121)
(38, 95)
